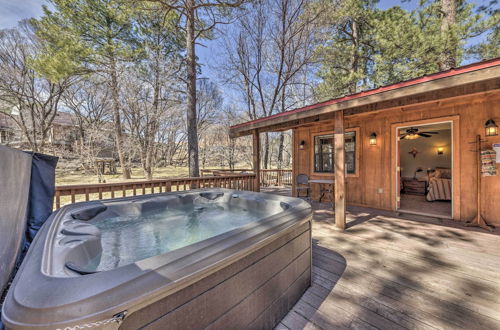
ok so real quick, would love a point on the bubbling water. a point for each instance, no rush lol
(128, 239)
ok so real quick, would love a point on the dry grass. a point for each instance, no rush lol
(79, 177)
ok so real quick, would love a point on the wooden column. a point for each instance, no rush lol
(294, 161)
(339, 161)
(256, 159)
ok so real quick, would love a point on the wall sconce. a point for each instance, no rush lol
(302, 144)
(440, 150)
(491, 128)
(373, 139)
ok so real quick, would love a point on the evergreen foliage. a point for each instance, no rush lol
(363, 47)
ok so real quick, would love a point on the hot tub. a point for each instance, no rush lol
(213, 258)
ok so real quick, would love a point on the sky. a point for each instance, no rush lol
(12, 11)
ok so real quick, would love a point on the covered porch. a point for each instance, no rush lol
(390, 272)
(353, 143)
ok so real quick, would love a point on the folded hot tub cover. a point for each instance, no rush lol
(15, 173)
(26, 200)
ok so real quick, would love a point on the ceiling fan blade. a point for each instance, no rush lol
(430, 132)
(424, 135)
(402, 136)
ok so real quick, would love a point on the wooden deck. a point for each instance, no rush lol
(388, 272)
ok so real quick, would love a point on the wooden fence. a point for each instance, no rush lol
(268, 177)
(76, 193)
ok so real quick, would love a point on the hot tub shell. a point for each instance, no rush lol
(247, 277)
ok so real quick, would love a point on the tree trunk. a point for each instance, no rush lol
(280, 150)
(192, 129)
(232, 143)
(354, 57)
(448, 58)
(153, 129)
(117, 120)
(266, 150)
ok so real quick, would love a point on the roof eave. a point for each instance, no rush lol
(321, 108)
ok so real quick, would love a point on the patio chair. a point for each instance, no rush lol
(302, 185)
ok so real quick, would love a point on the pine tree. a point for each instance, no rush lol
(365, 47)
(346, 47)
(91, 36)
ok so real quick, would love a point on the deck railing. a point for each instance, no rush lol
(224, 171)
(76, 193)
(268, 177)
(276, 177)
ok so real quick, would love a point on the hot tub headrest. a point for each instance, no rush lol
(89, 213)
(211, 195)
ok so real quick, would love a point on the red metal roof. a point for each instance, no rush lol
(406, 83)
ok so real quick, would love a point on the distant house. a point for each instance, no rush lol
(7, 129)
(63, 133)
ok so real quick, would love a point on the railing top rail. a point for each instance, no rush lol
(226, 169)
(245, 170)
(128, 183)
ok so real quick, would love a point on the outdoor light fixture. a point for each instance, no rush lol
(302, 144)
(373, 139)
(491, 128)
(440, 150)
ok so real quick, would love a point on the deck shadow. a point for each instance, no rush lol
(311, 311)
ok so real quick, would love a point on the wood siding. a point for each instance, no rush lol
(376, 163)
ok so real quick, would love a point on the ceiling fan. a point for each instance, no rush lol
(413, 133)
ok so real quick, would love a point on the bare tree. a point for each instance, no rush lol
(30, 99)
(218, 149)
(268, 52)
(89, 100)
(197, 19)
(152, 85)
(172, 137)
(147, 106)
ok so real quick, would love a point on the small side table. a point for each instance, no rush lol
(325, 186)
(414, 187)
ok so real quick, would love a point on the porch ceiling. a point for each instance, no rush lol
(471, 79)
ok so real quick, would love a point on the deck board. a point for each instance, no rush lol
(391, 272)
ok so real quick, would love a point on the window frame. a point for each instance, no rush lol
(356, 155)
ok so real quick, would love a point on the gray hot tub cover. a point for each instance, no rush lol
(15, 173)
(27, 186)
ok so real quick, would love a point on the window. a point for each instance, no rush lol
(4, 136)
(324, 151)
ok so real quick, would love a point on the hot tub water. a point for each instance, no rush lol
(128, 239)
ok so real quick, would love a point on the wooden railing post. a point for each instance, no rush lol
(58, 199)
(339, 161)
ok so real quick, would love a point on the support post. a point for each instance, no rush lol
(479, 221)
(339, 161)
(256, 159)
(295, 158)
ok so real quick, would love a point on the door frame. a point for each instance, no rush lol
(455, 159)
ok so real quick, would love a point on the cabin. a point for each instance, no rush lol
(428, 146)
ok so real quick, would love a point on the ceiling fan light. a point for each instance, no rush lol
(412, 136)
